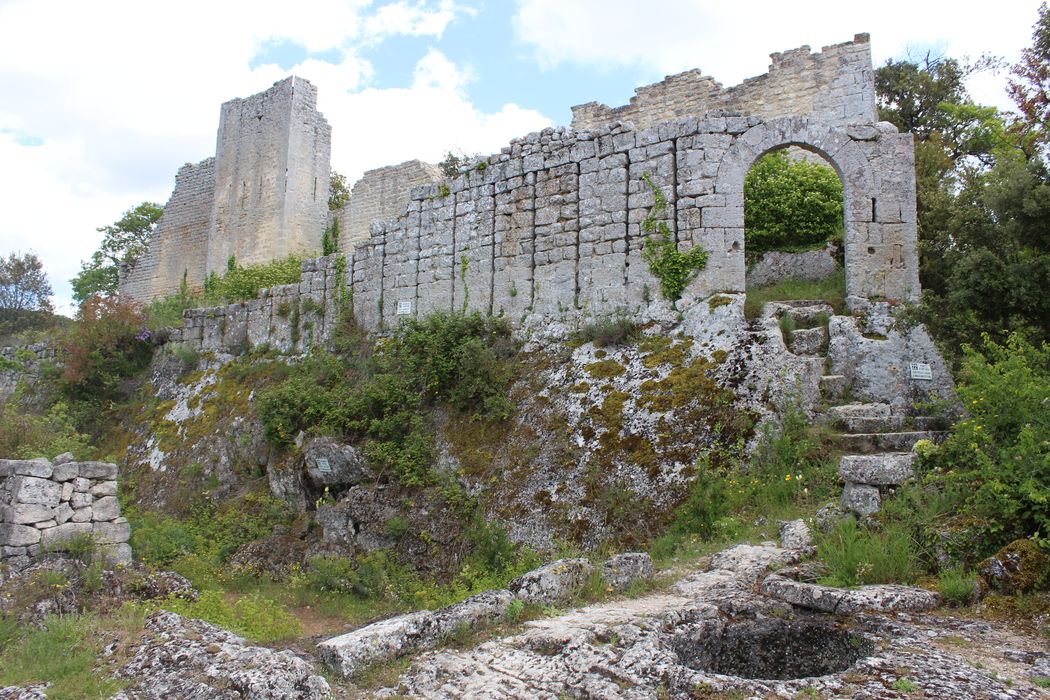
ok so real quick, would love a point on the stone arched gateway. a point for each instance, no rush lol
(876, 166)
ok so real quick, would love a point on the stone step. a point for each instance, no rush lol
(878, 418)
(833, 386)
(868, 443)
(887, 469)
(809, 341)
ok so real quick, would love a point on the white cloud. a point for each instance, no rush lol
(731, 41)
(427, 119)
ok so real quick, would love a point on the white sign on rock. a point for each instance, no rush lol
(323, 466)
(404, 307)
(921, 370)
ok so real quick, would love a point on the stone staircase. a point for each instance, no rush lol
(876, 441)
(877, 445)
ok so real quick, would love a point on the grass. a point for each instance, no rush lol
(859, 555)
(956, 587)
(64, 653)
(617, 329)
(831, 290)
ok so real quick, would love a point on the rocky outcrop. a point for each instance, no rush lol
(714, 635)
(556, 582)
(552, 582)
(181, 658)
(351, 653)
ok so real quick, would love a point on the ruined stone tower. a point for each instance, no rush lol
(263, 196)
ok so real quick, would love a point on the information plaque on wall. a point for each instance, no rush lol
(921, 370)
(404, 307)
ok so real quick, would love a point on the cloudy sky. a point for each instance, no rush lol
(102, 101)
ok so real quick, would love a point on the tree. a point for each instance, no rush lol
(339, 192)
(1031, 89)
(790, 204)
(24, 288)
(123, 242)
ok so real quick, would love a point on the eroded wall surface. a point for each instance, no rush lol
(835, 85)
(380, 195)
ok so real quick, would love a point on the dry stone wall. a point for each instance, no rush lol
(549, 232)
(43, 505)
(835, 85)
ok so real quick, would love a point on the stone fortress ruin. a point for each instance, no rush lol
(548, 231)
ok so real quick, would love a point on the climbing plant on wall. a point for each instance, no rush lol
(674, 268)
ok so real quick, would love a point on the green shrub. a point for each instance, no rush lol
(241, 283)
(377, 398)
(707, 502)
(331, 574)
(858, 555)
(996, 459)
(790, 204)
(25, 434)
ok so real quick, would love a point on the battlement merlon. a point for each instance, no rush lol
(836, 85)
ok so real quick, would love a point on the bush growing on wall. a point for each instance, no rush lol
(241, 283)
(790, 204)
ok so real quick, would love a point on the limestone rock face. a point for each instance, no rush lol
(621, 570)
(348, 654)
(331, 463)
(181, 658)
(553, 582)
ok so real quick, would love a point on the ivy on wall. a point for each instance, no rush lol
(674, 268)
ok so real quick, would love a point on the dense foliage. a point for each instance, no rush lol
(108, 344)
(377, 398)
(243, 282)
(983, 194)
(790, 204)
(123, 242)
(996, 462)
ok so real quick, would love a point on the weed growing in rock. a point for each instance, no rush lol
(956, 587)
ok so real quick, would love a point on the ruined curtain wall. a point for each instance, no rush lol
(180, 243)
(380, 195)
(835, 85)
(550, 231)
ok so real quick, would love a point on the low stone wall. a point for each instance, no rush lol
(19, 362)
(44, 504)
(775, 267)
